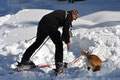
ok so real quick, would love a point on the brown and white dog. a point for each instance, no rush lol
(93, 61)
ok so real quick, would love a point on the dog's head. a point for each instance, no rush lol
(96, 68)
(83, 51)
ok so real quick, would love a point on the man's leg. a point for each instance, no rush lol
(55, 36)
(28, 53)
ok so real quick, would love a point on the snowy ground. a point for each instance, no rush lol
(97, 30)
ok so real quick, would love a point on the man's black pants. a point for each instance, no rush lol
(41, 35)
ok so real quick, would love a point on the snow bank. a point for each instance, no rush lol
(101, 41)
(103, 16)
(4, 19)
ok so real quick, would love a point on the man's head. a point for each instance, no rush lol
(75, 14)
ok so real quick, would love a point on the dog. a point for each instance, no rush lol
(93, 61)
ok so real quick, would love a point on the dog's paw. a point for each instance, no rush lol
(88, 68)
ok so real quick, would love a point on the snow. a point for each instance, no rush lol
(97, 30)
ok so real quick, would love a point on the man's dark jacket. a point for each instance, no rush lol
(52, 21)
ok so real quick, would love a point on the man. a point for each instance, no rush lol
(48, 26)
(72, 1)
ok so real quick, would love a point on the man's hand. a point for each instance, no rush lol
(68, 46)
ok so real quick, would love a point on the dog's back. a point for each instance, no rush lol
(94, 62)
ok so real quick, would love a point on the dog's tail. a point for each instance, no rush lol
(84, 52)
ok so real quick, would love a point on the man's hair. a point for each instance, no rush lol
(75, 12)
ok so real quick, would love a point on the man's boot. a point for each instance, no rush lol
(59, 67)
(25, 62)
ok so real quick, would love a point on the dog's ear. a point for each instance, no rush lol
(83, 51)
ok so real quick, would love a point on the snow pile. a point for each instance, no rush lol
(103, 16)
(4, 19)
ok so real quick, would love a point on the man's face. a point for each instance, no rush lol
(74, 16)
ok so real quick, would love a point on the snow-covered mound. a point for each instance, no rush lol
(102, 41)
(103, 16)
